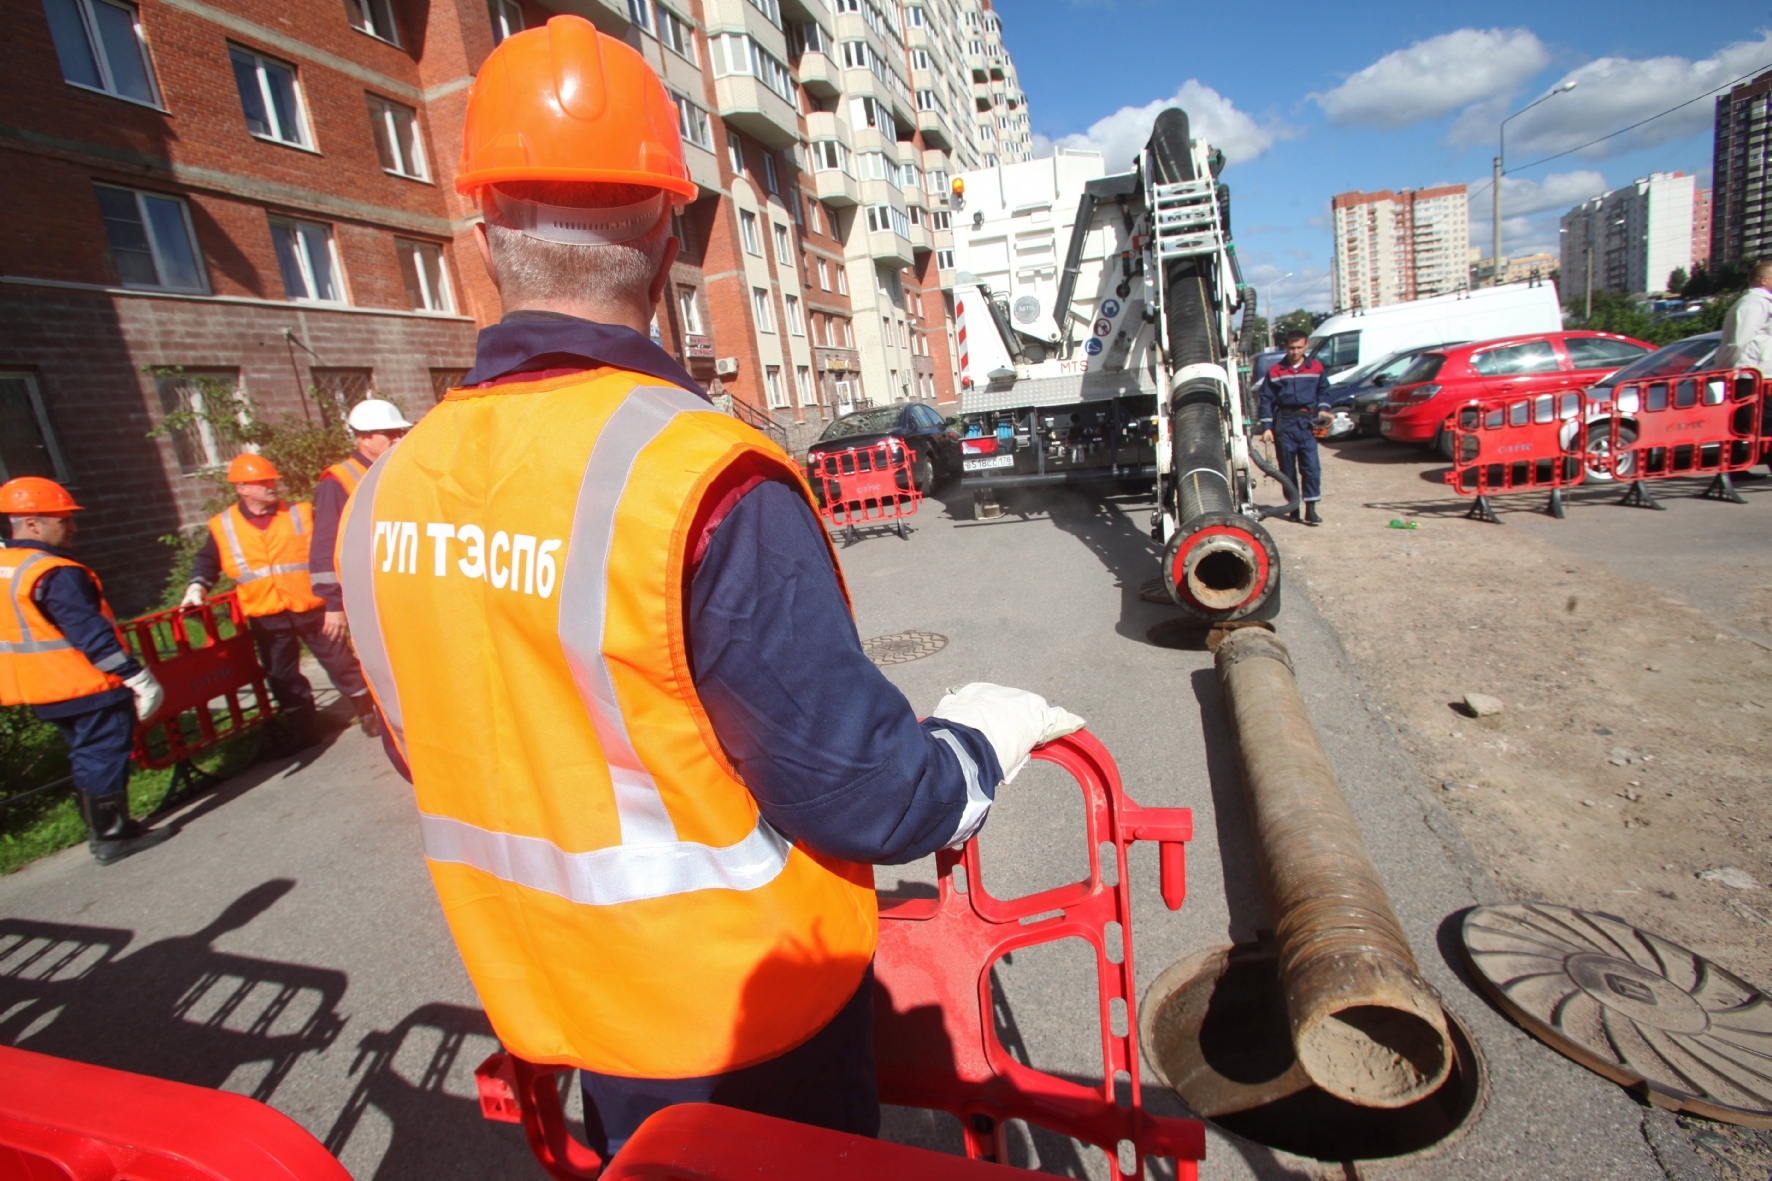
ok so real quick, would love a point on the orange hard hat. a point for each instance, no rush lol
(34, 496)
(252, 469)
(566, 103)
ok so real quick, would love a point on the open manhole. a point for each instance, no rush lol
(1637, 1008)
(903, 647)
(1214, 1029)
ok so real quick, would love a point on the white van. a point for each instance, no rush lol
(1516, 309)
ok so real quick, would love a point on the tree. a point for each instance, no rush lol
(1299, 320)
(1676, 281)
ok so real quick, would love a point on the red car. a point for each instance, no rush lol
(1442, 380)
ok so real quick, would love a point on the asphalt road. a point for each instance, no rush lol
(287, 944)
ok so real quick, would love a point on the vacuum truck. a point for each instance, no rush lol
(1118, 361)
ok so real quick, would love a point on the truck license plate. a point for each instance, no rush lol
(985, 463)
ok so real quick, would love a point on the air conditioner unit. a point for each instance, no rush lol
(726, 366)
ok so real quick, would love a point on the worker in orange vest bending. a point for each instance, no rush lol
(263, 543)
(61, 652)
(609, 638)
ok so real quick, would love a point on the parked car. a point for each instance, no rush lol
(1691, 355)
(1365, 389)
(1360, 335)
(934, 443)
(1442, 379)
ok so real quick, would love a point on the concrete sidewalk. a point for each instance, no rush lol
(287, 943)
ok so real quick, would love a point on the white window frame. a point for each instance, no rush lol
(677, 35)
(824, 150)
(735, 152)
(803, 382)
(101, 61)
(689, 310)
(388, 111)
(771, 10)
(778, 394)
(692, 122)
(640, 15)
(34, 396)
(796, 325)
(507, 18)
(306, 264)
(842, 280)
(784, 253)
(305, 137)
(760, 308)
(204, 431)
(366, 10)
(944, 260)
(748, 234)
(770, 180)
(202, 287)
(824, 274)
(442, 297)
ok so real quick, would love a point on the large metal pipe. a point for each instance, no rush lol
(1367, 1028)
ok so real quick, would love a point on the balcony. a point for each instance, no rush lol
(936, 133)
(820, 75)
(753, 108)
(829, 125)
(869, 139)
(741, 16)
(836, 188)
(922, 241)
(888, 247)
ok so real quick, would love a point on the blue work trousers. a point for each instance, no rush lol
(1297, 449)
(99, 743)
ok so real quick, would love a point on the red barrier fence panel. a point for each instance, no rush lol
(206, 661)
(1534, 443)
(865, 485)
(1693, 424)
(67, 1121)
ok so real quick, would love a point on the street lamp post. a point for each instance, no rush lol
(1500, 154)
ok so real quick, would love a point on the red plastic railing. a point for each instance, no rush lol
(205, 659)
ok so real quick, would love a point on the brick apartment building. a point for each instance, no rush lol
(260, 192)
(1392, 247)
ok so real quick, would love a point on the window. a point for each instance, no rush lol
(735, 152)
(783, 254)
(795, 324)
(807, 38)
(919, 59)
(195, 445)
(507, 18)
(396, 138)
(151, 240)
(375, 17)
(939, 219)
(770, 181)
(926, 101)
(689, 310)
(830, 156)
(100, 46)
(824, 274)
(343, 387)
(427, 282)
(747, 232)
(913, 17)
(677, 35)
(778, 394)
(875, 166)
(1596, 352)
(760, 305)
(27, 448)
(734, 53)
(692, 122)
(444, 380)
(813, 219)
(269, 97)
(640, 12)
(309, 264)
(944, 260)
(843, 287)
(794, 207)
(888, 219)
(770, 9)
(868, 112)
(803, 380)
(1533, 357)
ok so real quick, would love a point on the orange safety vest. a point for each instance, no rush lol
(269, 565)
(515, 578)
(39, 665)
(348, 472)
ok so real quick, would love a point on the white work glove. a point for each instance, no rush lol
(148, 694)
(193, 595)
(1013, 721)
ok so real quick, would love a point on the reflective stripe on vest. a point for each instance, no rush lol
(348, 472)
(38, 664)
(356, 556)
(247, 571)
(274, 584)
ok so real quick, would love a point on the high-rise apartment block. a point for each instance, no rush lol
(259, 193)
(1741, 174)
(1391, 247)
(1701, 207)
(1632, 239)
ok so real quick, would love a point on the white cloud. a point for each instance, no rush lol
(1529, 210)
(1119, 137)
(1281, 291)
(1613, 92)
(1435, 76)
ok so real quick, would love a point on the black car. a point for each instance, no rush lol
(1683, 356)
(1367, 387)
(935, 444)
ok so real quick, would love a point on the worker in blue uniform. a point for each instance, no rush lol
(61, 654)
(1295, 394)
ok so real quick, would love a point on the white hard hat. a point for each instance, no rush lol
(373, 414)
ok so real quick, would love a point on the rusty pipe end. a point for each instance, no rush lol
(1383, 1044)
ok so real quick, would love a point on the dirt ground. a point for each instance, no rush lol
(1632, 752)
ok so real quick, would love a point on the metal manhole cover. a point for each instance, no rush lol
(1630, 1005)
(903, 647)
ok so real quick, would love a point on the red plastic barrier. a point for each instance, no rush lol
(67, 1121)
(867, 485)
(1695, 424)
(1535, 443)
(203, 657)
(935, 1036)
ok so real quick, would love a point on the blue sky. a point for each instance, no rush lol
(1313, 100)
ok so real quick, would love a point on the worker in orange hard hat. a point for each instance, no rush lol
(262, 542)
(614, 654)
(61, 653)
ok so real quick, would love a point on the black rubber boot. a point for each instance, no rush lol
(1310, 513)
(291, 732)
(366, 715)
(111, 834)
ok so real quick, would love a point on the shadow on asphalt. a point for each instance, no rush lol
(1230, 814)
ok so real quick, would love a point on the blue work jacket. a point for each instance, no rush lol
(1293, 388)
